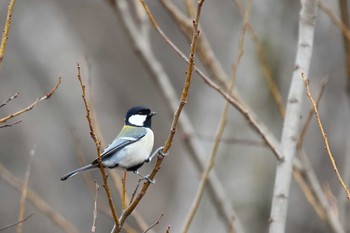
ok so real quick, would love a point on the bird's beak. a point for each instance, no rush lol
(153, 114)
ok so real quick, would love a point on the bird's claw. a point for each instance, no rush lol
(160, 152)
(148, 179)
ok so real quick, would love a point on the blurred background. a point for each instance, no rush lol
(47, 38)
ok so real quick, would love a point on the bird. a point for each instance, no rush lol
(131, 148)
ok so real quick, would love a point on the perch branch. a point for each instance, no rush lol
(183, 101)
(98, 148)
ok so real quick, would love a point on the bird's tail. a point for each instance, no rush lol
(73, 173)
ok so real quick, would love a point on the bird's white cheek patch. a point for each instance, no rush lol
(137, 120)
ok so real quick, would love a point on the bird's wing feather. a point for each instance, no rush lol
(127, 136)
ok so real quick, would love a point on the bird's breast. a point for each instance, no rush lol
(136, 153)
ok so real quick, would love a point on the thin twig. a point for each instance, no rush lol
(168, 229)
(22, 205)
(266, 70)
(156, 223)
(38, 202)
(124, 190)
(98, 148)
(6, 30)
(93, 228)
(30, 107)
(135, 191)
(9, 99)
(14, 224)
(9, 125)
(311, 112)
(325, 136)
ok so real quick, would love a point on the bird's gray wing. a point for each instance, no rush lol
(127, 136)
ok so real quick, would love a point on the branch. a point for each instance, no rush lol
(292, 120)
(325, 137)
(309, 116)
(15, 224)
(6, 30)
(156, 223)
(93, 228)
(9, 125)
(9, 99)
(98, 148)
(30, 107)
(22, 205)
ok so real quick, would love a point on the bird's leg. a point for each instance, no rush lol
(157, 151)
(144, 177)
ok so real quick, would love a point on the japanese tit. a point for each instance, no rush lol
(131, 148)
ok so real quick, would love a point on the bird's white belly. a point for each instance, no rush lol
(135, 153)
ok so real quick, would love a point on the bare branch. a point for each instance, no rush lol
(168, 229)
(93, 228)
(30, 107)
(155, 224)
(327, 147)
(311, 112)
(9, 99)
(9, 125)
(124, 190)
(22, 205)
(98, 148)
(6, 30)
(15, 224)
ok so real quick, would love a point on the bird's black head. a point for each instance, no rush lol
(139, 116)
